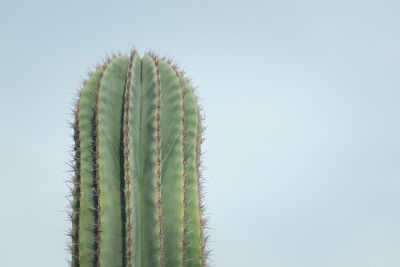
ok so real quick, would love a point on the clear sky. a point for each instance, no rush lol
(302, 151)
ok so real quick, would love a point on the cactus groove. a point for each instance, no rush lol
(137, 199)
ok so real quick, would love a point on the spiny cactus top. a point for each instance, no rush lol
(136, 194)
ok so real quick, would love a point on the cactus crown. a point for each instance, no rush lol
(137, 183)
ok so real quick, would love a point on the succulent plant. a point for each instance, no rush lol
(136, 196)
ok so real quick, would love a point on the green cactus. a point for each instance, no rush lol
(136, 185)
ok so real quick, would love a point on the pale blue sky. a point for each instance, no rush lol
(302, 105)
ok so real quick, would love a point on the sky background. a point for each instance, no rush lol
(302, 110)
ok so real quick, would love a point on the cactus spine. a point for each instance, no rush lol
(136, 195)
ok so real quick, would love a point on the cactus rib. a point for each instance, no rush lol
(127, 164)
(159, 161)
(77, 189)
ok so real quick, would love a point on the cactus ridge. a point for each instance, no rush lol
(128, 176)
(159, 160)
(76, 190)
(88, 214)
(97, 188)
(137, 184)
(184, 219)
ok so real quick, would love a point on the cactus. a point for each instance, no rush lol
(136, 183)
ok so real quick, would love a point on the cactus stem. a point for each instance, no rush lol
(137, 195)
(159, 160)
